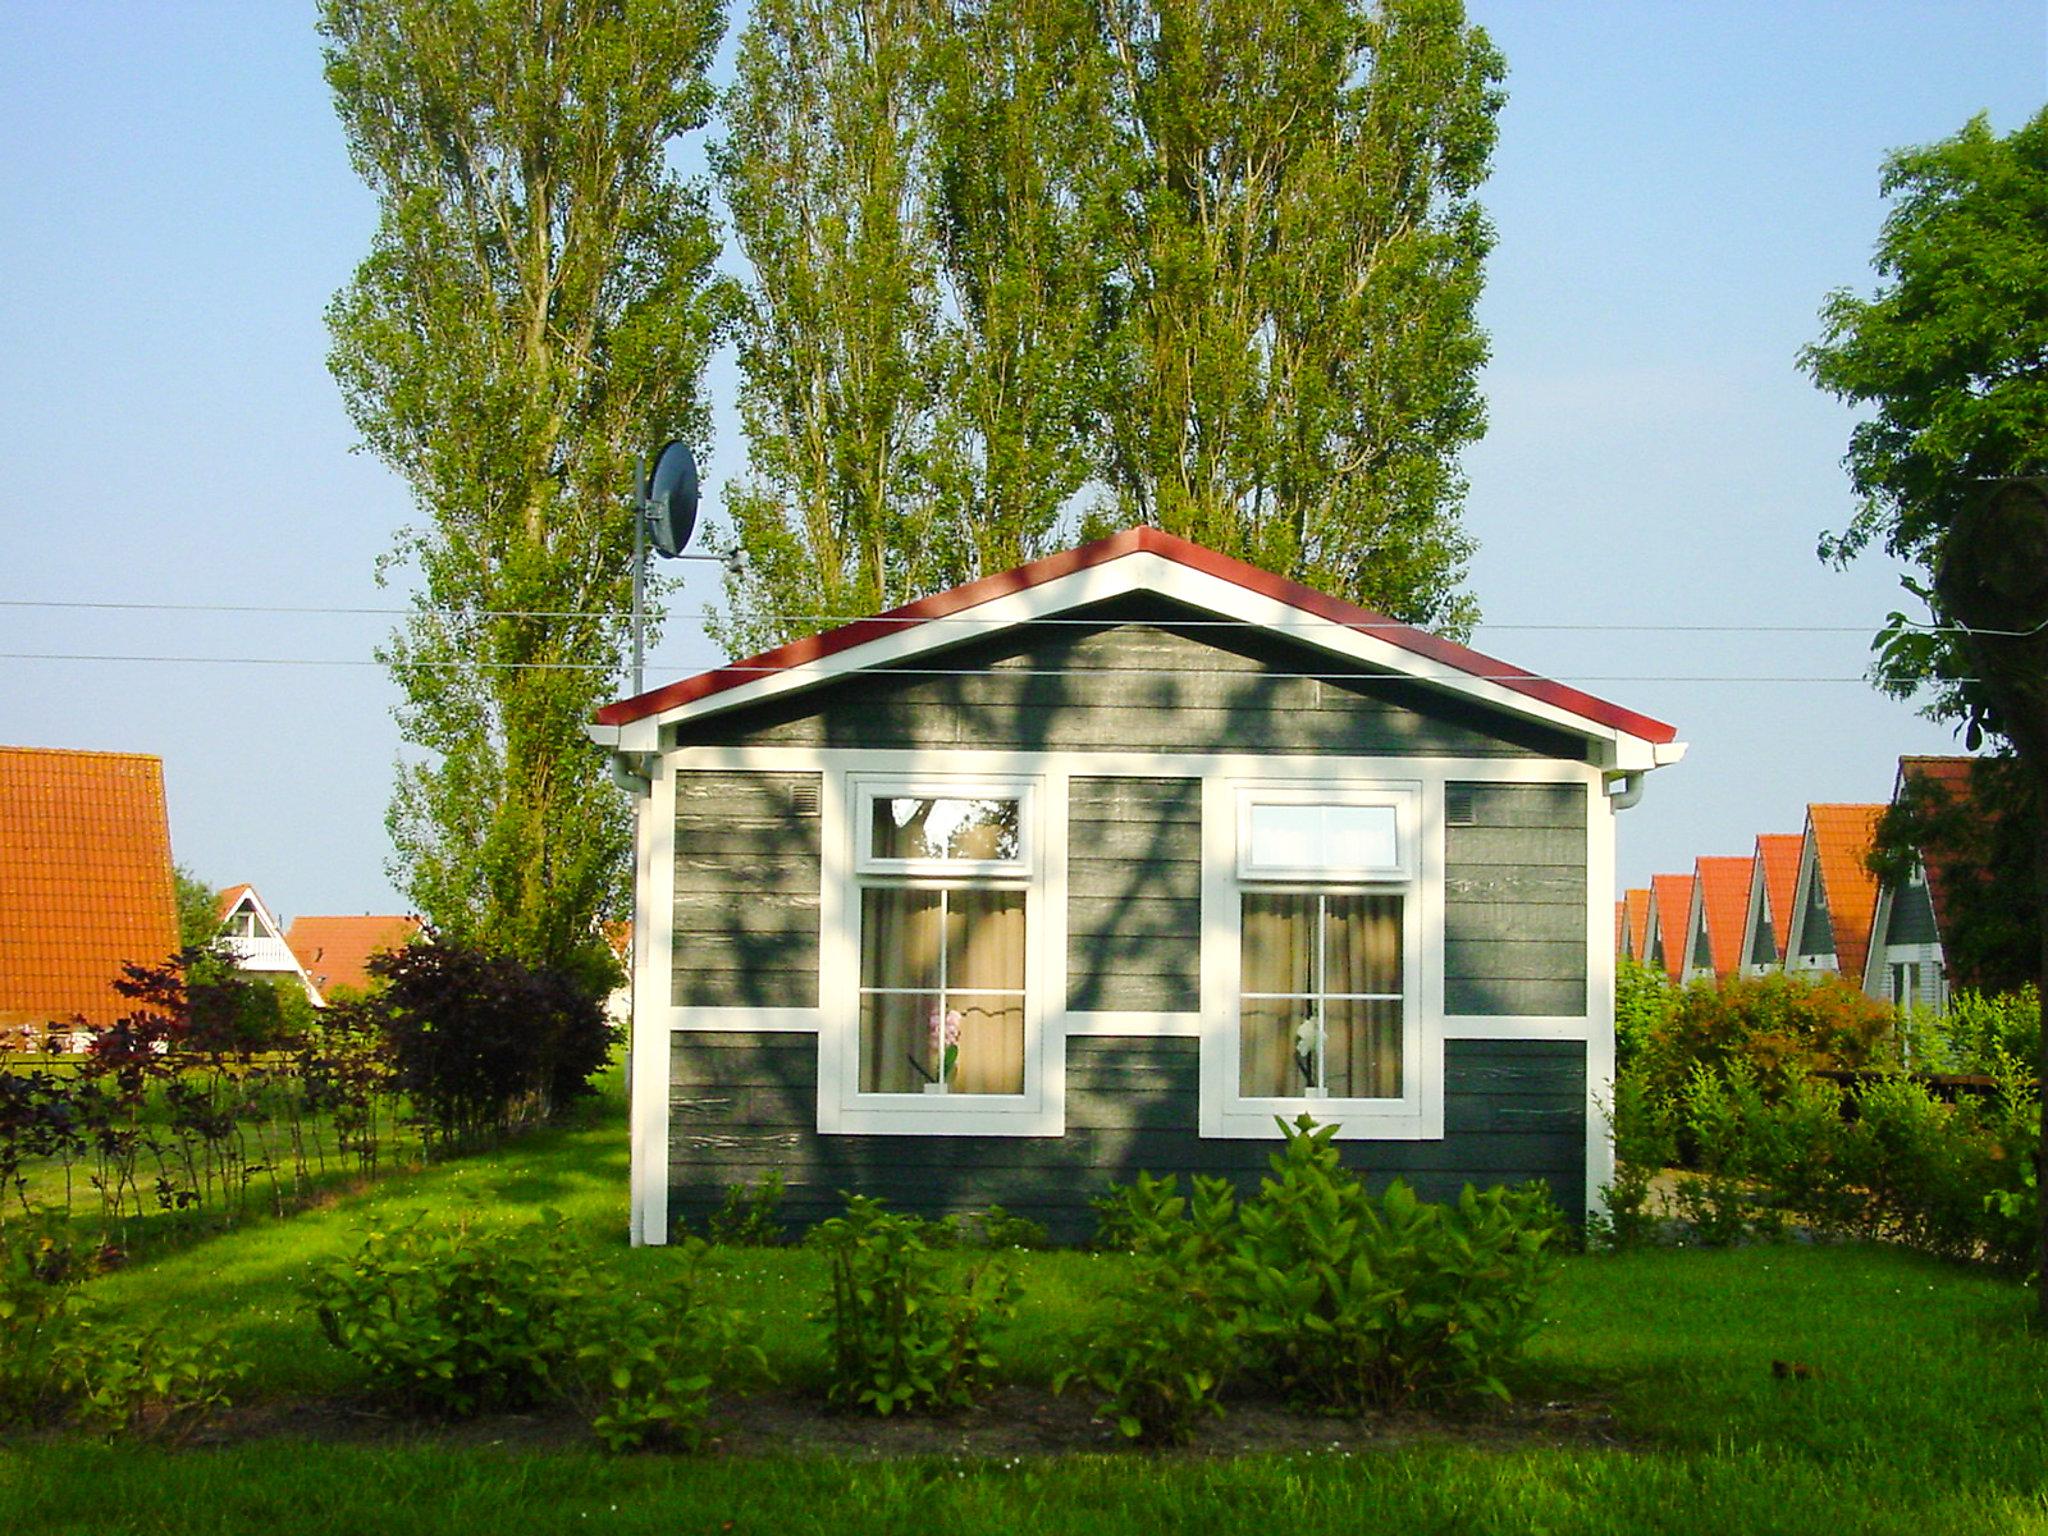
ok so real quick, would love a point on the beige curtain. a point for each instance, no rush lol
(1277, 951)
(901, 934)
(1362, 953)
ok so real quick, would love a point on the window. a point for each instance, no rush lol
(943, 874)
(1324, 969)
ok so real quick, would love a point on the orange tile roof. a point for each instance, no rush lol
(1780, 854)
(225, 903)
(1674, 906)
(85, 880)
(1842, 836)
(1724, 892)
(1637, 902)
(336, 951)
(1954, 776)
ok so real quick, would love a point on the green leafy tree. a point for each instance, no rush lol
(825, 133)
(537, 307)
(1951, 358)
(1291, 365)
(198, 909)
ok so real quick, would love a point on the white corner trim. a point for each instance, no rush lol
(648, 1062)
(1599, 1020)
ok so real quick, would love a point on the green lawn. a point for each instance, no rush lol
(1925, 1411)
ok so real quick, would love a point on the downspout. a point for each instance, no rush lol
(1627, 795)
(630, 771)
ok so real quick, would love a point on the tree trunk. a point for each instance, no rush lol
(1992, 578)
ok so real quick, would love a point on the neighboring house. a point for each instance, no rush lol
(1098, 866)
(335, 952)
(1906, 966)
(1835, 894)
(250, 930)
(1635, 925)
(1716, 917)
(1664, 924)
(1767, 922)
(85, 887)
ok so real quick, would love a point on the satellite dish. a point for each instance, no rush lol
(672, 499)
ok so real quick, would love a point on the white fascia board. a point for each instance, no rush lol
(1153, 575)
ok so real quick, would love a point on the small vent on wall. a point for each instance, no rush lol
(803, 797)
(1458, 806)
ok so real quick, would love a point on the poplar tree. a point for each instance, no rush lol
(826, 131)
(537, 306)
(1298, 248)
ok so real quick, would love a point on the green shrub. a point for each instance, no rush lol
(39, 1316)
(1643, 1000)
(1152, 1217)
(1174, 1338)
(149, 1385)
(998, 1228)
(1645, 1144)
(1772, 1024)
(647, 1367)
(458, 1320)
(1356, 1303)
(750, 1215)
(902, 1337)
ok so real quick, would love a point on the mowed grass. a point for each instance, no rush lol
(1922, 1407)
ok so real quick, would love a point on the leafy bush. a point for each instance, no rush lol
(1771, 1024)
(998, 1228)
(1320, 1291)
(1355, 1303)
(1174, 1339)
(480, 1040)
(647, 1367)
(1643, 999)
(38, 1316)
(901, 1336)
(749, 1216)
(1645, 1144)
(1979, 1033)
(458, 1320)
(149, 1385)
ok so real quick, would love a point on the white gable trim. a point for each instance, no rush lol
(1151, 574)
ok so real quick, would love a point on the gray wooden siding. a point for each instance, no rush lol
(744, 1104)
(1515, 902)
(1142, 678)
(747, 876)
(1765, 950)
(1134, 895)
(1814, 933)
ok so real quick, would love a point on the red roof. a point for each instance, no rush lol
(1637, 903)
(336, 951)
(1674, 905)
(85, 881)
(225, 902)
(1724, 893)
(1953, 775)
(1779, 852)
(1842, 836)
(1132, 541)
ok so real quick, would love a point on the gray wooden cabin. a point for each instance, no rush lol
(1100, 865)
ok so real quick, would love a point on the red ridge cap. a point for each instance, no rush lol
(1130, 541)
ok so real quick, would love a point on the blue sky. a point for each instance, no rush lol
(1676, 189)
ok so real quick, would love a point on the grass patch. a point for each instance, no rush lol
(1921, 1407)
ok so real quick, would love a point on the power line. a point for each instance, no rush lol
(908, 622)
(981, 672)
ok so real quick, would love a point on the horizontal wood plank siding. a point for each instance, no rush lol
(742, 1105)
(747, 877)
(1515, 901)
(1144, 676)
(1134, 895)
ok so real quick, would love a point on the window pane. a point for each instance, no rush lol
(985, 939)
(1334, 837)
(1362, 1049)
(1362, 943)
(899, 938)
(896, 1042)
(937, 827)
(1267, 1033)
(1277, 942)
(991, 1056)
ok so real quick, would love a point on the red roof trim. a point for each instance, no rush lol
(1136, 541)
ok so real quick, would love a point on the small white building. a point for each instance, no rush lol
(251, 932)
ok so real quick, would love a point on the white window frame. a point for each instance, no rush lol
(1416, 877)
(848, 833)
